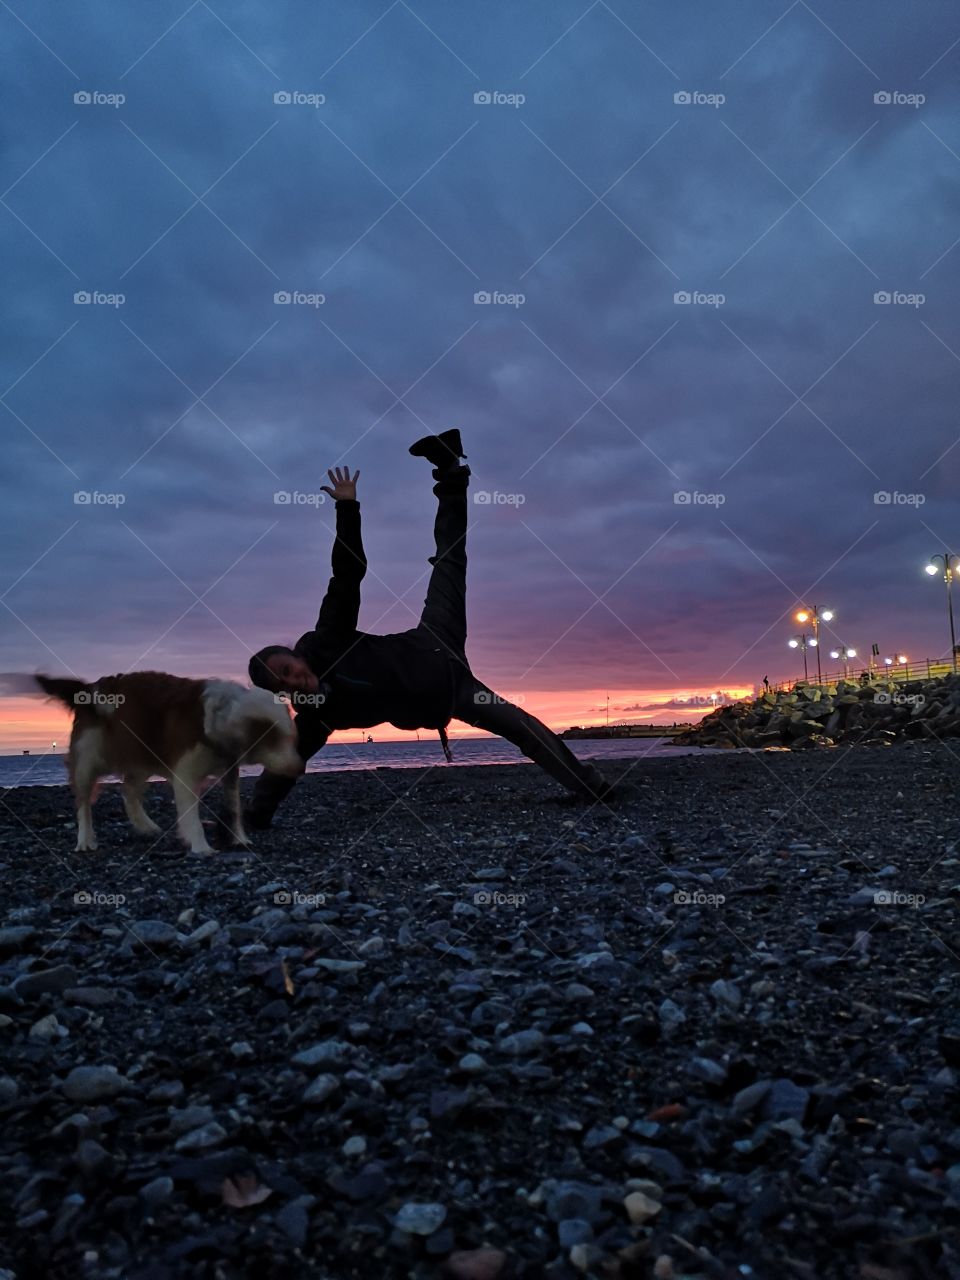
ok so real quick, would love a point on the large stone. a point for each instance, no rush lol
(91, 1084)
(15, 937)
(45, 981)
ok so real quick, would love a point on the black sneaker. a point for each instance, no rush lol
(444, 450)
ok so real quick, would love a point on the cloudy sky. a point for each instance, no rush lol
(667, 478)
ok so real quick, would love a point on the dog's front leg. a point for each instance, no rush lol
(230, 819)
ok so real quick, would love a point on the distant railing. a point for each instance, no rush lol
(927, 669)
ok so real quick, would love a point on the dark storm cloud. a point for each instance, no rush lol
(597, 401)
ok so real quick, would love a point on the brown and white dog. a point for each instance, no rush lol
(149, 723)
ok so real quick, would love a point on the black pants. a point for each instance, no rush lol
(444, 617)
(444, 620)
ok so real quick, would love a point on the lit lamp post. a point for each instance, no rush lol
(814, 615)
(804, 642)
(844, 654)
(949, 563)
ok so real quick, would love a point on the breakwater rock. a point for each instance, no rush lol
(821, 715)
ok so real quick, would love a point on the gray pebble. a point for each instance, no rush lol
(420, 1219)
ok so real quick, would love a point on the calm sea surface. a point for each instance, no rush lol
(49, 770)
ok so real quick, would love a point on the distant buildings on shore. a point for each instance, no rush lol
(626, 730)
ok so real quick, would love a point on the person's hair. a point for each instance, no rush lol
(260, 674)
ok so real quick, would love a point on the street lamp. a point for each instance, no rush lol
(804, 642)
(814, 615)
(844, 654)
(949, 563)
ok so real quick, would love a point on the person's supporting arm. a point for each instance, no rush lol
(341, 605)
(273, 788)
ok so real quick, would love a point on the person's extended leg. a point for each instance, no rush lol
(481, 707)
(444, 613)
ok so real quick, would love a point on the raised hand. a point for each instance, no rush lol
(343, 486)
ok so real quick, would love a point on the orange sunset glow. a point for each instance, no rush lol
(30, 723)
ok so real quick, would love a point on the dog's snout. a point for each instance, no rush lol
(291, 765)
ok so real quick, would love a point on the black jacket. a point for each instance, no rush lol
(405, 679)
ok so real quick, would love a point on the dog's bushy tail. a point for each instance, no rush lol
(69, 692)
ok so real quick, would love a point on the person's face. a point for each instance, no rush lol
(292, 674)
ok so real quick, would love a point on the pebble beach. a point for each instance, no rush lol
(443, 1022)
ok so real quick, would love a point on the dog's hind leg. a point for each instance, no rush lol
(85, 769)
(133, 785)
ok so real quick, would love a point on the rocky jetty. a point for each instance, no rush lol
(822, 715)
